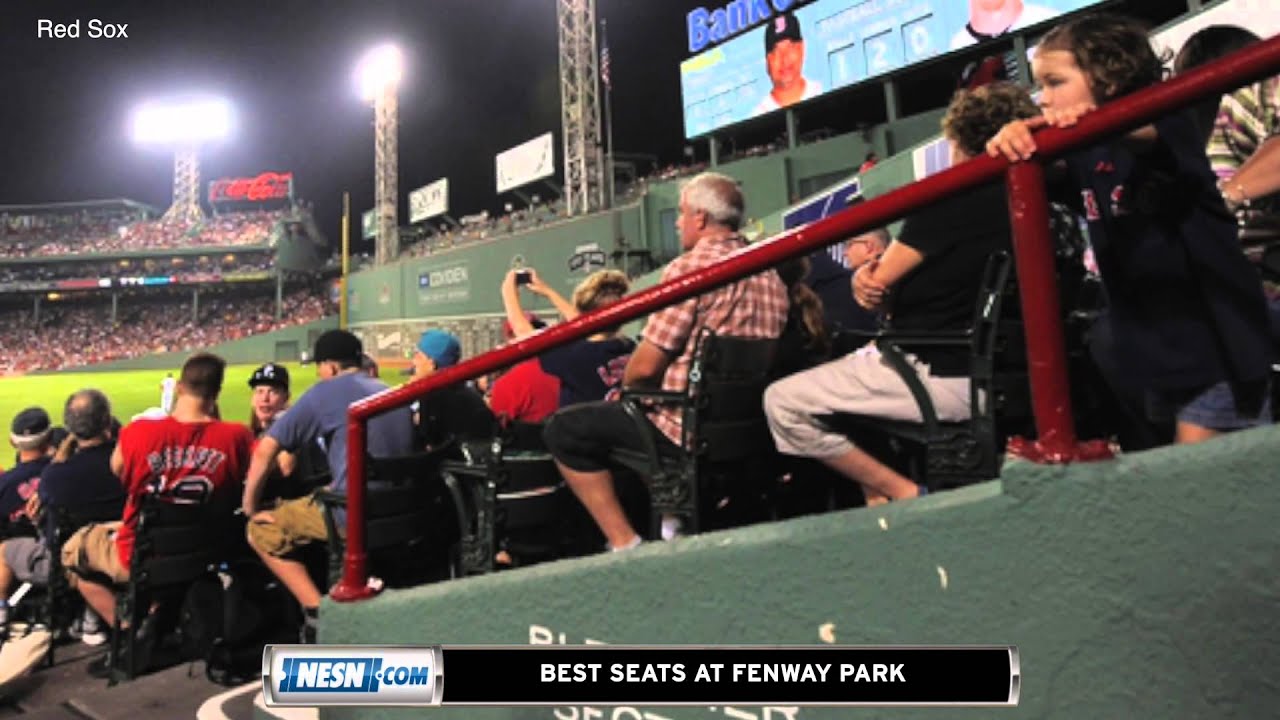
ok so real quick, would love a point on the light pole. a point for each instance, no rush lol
(379, 74)
(182, 127)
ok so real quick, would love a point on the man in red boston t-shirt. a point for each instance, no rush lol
(188, 456)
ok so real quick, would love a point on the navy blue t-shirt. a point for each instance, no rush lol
(16, 486)
(84, 479)
(588, 371)
(1187, 308)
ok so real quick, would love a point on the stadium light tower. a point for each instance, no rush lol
(183, 127)
(379, 75)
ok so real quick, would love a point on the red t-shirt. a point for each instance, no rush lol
(525, 393)
(189, 462)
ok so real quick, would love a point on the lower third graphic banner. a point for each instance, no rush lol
(315, 675)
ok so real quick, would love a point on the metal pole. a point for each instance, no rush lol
(354, 583)
(346, 260)
(791, 129)
(195, 305)
(35, 311)
(1042, 322)
(608, 116)
(115, 306)
(279, 294)
(386, 164)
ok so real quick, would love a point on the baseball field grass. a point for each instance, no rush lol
(133, 391)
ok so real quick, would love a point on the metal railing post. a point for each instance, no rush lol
(354, 583)
(1033, 247)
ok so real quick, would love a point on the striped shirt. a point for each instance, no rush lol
(1246, 118)
(753, 307)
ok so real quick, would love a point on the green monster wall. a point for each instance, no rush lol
(282, 345)
(1139, 588)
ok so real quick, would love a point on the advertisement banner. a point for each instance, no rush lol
(429, 201)
(784, 58)
(264, 187)
(525, 163)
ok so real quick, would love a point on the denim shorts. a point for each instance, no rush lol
(1222, 406)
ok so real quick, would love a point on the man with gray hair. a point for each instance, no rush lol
(582, 436)
(79, 475)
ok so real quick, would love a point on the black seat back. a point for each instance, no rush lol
(178, 542)
(724, 421)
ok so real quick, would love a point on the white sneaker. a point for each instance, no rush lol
(89, 629)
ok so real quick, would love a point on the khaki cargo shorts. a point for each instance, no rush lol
(92, 550)
(298, 522)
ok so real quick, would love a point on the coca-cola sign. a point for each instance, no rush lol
(267, 186)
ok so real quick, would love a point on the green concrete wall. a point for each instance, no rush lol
(1139, 588)
(279, 345)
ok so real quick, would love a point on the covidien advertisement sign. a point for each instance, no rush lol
(777, 53)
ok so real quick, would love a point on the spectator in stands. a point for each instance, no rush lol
(582, 436)
(525, 392)
(805, 340)
(928, 279)
(320, 415)
(454, 412)
(80, 475)
(270, 399)
(369, 366)
(784, 61)
(833, 281)
(1189, 319)
(868, 162)
(187, 457)
(990, 19)
(29, 435)
(589, 369)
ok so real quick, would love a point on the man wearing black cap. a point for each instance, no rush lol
(320, 415)
(784, 60)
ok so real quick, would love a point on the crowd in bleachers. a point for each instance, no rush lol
(73, 334)
(45, 237)
(185, 268)
(1168, 234)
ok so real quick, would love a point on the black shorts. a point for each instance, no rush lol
(583, 436)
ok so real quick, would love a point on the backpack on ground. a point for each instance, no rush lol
(227, 617)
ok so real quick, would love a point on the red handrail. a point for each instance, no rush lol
(1051, 402)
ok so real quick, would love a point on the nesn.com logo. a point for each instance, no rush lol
(347, 675)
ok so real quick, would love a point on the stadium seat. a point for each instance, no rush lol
(516, 502)
(175, 544)
(59, 603)
(721, 471)
(411, 520)
(949, 454)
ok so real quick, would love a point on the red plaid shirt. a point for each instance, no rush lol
(753, 307)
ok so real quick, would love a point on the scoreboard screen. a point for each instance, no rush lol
(843, 42)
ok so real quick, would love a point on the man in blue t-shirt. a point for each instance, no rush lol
(83, 478)
(320, 414)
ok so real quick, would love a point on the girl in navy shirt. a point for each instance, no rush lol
(1188, 312)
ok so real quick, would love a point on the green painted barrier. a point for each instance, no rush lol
(1144, 587)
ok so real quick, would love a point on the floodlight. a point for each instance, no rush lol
(182, 123)
(380, 69)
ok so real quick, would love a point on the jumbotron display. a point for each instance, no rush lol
(774, 54)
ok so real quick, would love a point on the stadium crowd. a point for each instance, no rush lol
(1169, 234)
(47, 238)
(191, 268)
(75, 333)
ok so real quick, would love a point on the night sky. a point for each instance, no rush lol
(481, 76)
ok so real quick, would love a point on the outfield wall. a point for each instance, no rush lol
(1144, 587)
(282, 345)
